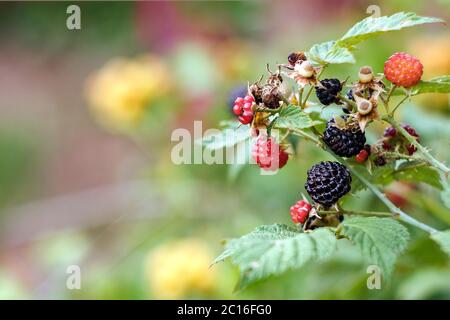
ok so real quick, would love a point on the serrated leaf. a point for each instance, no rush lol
(435, 85)
(292, 117)
(371, 27)
(226, 138)
(443, 239)
(340, 51)
(274, 249)
(380, 240)
(328, 53)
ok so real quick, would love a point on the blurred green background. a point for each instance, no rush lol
(87, 180)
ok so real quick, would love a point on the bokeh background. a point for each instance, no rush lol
(86, 176)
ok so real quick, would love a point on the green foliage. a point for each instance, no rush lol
(226, 138)
(409, 171)
(292, 117)
(436, 85)
(443, 239)
(327, 53)
(274, 249)
(340, 51)
(371, 27)
(380, 240)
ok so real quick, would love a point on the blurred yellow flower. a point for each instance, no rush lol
(120, 91)
(179, 268)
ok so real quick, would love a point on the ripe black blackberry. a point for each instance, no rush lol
(327, 182)
(328, 90)
(346, 142)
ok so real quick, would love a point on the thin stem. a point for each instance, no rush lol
(419, 147)
(399, 104)
(388, 97)
(303, 104)
(350, 102)
(361, 213)
(397, 213)
(307, 96)
(307, 136)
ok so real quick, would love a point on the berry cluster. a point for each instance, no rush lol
(403, 69)
(268, 154)
(243, 109)
(327, 91)
(345, 142)
(300, 211)
(327, 182)
(394, 141)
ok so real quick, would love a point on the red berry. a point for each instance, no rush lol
(300, 211)
(361, 157)
(237, 109)
(268, 154)
(403, 69)
(247, 107)
(246, 117)
(243, 109)
(249, 99)
(239, 101)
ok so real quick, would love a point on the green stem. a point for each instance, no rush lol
(397, 213)
(412, 140)
(399, 104)
(361, 213)
(307, 136)
(350, 102)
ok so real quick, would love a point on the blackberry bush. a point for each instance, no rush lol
(397, 155)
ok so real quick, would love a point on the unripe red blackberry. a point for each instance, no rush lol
(243, 109)
(268, 154)
(300, 211)
(328, 90)
(327, 182)
(346, 142)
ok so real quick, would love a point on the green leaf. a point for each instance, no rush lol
(226, 138)
(327, 52)
(443, 239)
(408, 171)
(380, 240)
(435, 85)
(371, 27)
(340, 51)
(292, 117)
(274, 249)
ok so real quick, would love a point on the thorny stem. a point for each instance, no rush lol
(412, 140)
(360, 213)
(396, 212)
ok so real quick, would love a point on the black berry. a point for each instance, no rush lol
(346, 142)
(328, 90)
(327, 182)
